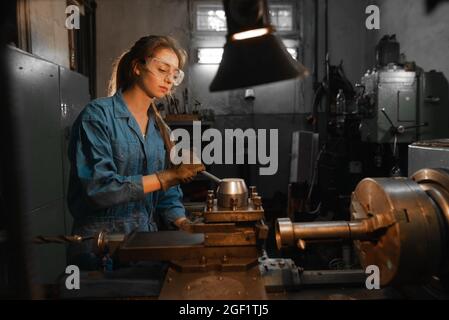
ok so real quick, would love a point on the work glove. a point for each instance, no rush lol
(186, 225)
(182, 173)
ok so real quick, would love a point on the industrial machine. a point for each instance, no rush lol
(399, 101)
(398, 224)
(222, 257)
(217, 259)
(403, 104)
(368, 129)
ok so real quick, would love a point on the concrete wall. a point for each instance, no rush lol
(349, 40)
(49, 36)
(424, 38)
(348, 36)
(281, 97)
(121, 23)
(309, 40)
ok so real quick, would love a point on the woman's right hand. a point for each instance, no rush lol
(182, 173)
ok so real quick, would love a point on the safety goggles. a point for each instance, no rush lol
(162, 70)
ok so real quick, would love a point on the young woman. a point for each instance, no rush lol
(119, 179)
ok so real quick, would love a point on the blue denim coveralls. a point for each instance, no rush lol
(108, 157)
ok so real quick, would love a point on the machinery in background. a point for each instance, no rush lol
(398, 224)
(403, 104)
(399, 103)
(369, 128)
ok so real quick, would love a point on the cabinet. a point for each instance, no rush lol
(46, 98)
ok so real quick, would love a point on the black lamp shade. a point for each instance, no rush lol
(244, 15)
(254, 61)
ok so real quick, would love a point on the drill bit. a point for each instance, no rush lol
(60, 239)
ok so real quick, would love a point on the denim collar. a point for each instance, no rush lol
(120, 108)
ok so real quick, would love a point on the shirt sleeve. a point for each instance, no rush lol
(96, 169)
(169, 206)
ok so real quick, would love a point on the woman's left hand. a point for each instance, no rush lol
(184, 224)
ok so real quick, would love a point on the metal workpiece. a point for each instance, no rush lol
(289, 234)
(397, 224)
(232, 194)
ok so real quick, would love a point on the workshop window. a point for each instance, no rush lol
(211, 17)
(281, 16)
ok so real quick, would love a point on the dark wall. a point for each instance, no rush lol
(424, 38)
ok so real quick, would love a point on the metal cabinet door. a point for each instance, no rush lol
(397, 94)
(34, 89)
(74, 95)
(35, 94)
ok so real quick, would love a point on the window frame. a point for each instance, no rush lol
(194, 26)
(215, 39)
(194, 4)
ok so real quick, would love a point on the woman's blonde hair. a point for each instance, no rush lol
(123, 76)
